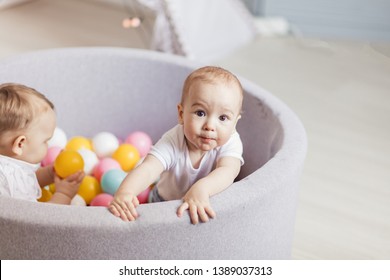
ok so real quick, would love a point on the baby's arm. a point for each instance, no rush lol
(45, 175)
(197, 199)
(66, 188)
(125, 199)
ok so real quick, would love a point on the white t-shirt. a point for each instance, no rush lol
(179, 174)
(18, 179)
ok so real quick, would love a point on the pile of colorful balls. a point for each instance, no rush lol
(105, 160)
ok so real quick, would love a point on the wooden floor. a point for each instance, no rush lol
(341, 92)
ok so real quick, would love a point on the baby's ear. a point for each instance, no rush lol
(235, 125)
(180, 113)
(238, 118)
(18, 144)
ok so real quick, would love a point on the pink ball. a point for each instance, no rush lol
(141, 141)
(143, 197)
(103, 199)
(51, 155)
(104, 165)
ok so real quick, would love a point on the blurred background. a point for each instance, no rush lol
(345, 19)
(329, 61)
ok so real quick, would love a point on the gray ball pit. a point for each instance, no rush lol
(122, 90)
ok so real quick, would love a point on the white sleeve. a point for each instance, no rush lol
(165, 150)
(4, 188)
(233, 148)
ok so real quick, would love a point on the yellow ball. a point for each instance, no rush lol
(67, 163)
(52, 188)
(127, 155)
(89, 188)
(78, 142)
(46, 195)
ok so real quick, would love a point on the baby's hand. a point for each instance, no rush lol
(69, 185)
(123, 206)
(198, 203)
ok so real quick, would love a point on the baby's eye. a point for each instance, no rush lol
(200, 113)
(223, 118)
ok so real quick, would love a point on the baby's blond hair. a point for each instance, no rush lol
(212, 75)
(19, 105)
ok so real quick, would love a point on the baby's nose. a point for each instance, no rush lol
(209, 125)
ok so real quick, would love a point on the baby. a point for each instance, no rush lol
(199, 157)
(27, 122)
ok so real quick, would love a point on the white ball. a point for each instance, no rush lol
(59, 138)
(90, 160)
(104, 144)
(77, 200)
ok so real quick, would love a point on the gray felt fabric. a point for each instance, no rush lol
(123, 90)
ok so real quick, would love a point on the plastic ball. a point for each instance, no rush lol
(141, 141)
(104, 144)
(104, 165)
(52, 188)
(90, 160)
(59, 138)
(46, 195)
(112, 179)
(127, 155)
(103, 199)
(150, 198)
(78, 142)
(51, 155)
(89, 188)
(77, 200)
(143, 197)
(67, 163)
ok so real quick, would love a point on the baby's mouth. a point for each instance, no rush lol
(206, 139)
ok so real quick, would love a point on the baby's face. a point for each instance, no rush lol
(37, 136)
(209, 114)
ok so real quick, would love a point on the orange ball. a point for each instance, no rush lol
(78, 142)
(67, 163)
(127, 155)
(89, 188)
(46, 195)
(52, 188)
